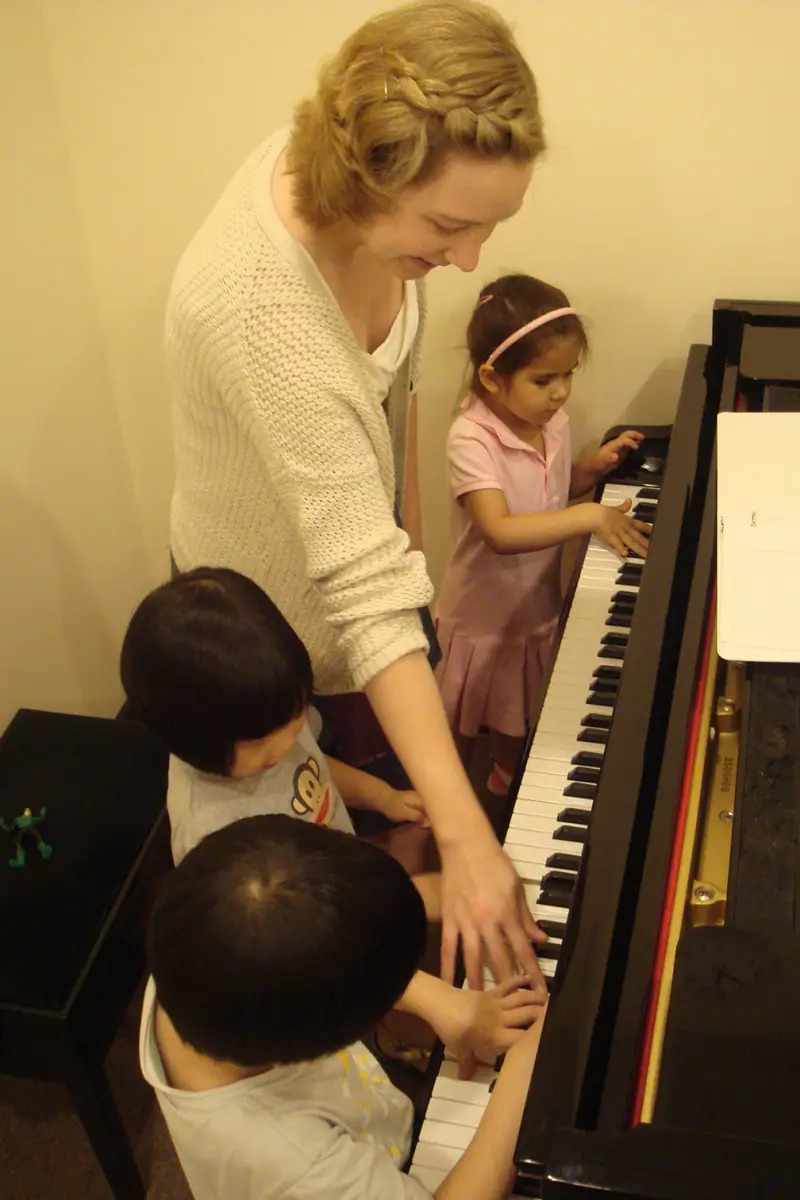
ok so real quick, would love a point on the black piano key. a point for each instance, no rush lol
(561, 861)
(570, 833)
(553, 929)
(598, 736)
(609, 686)
(648, 493)
(583, 791)
(614, 639)
(622, 608)
(559, 881)
(619, 622)
(645, 512)
(633, 557)
(574, 816)
(587, 758)
(596, 721)
(606, 673)
(555, 899)
(630, 573)
(602, 699)
(611, 652)
(544, 951)
(584, 774)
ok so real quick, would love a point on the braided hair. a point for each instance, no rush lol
(405, 90)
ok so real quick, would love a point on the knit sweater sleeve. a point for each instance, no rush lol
(328, 448)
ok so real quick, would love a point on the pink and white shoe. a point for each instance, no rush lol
(499, 781)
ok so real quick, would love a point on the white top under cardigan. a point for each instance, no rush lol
(285, 461)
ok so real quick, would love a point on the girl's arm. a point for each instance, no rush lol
(506, 534)
(482, 896)
(589, 470)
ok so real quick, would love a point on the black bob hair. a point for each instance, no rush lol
(208, 661)
(279, 941)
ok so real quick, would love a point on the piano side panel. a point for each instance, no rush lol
(620, 1082)
(568, 1077)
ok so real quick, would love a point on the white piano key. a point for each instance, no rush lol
(439, 1133)
(429, 1177)
(453, 1112)
(434, 1155)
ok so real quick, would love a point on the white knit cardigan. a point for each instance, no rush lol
(285, 461)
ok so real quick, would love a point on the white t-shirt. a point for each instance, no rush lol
(332, 1129)
(298, 786)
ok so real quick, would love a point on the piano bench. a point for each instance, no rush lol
(72, 924)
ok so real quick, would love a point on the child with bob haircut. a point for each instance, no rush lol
(512, 476)
(273, 948)
(214, 670)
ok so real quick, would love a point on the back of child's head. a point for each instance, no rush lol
(506, 306)
(279, 941)
(208, 661)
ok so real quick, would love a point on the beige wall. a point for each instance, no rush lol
(672, 178)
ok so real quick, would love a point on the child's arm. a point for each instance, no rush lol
(506, 534)
(474, 1025)
(486, 1168)
(360, 790)
(589, 470)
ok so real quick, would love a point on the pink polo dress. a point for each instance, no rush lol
(496, 613)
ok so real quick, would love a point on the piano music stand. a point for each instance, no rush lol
(71, 945)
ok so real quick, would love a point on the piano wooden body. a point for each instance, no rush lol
(663, 1074)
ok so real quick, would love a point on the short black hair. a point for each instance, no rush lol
(279, 941)
(208, 661)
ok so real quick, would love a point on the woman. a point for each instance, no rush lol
(293, 334)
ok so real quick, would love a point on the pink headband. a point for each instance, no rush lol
(529, 328)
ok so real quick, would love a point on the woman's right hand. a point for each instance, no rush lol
(622, 532)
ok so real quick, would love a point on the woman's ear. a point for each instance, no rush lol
(489, 378)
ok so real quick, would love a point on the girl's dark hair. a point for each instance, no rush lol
(208, 661)
(504, 307)
(278, 941)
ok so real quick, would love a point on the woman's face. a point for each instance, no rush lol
(446, 221)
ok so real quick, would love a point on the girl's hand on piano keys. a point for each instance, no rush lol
(491, 1022)
(612, 453)
(621, 532)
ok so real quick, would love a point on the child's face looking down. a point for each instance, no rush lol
(535, 393)
(259, 754)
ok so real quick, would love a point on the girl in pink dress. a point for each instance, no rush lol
(511, 474)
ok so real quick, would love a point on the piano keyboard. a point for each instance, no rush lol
(552, 810)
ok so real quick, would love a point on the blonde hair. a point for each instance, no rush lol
(406, 89)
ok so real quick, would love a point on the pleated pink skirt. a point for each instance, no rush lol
(490, 681)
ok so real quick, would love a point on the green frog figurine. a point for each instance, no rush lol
(22, 827)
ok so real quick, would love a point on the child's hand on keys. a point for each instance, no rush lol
(485, 1024)
(404, 806)
(613, 452)
(623, 533)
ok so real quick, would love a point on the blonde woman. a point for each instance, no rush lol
(293, 334)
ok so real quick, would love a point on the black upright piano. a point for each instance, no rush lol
(693, 1092)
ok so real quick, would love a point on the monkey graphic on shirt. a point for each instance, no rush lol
(312, 797)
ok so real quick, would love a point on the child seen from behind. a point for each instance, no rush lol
(274, 947)
(511, 476)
